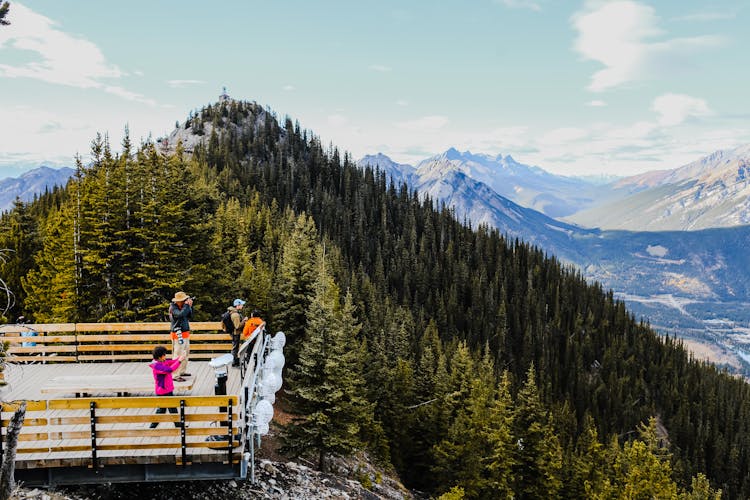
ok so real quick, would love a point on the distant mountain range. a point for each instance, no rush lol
(711, 192)
(685, 281)
(532, 187)
(32, 183)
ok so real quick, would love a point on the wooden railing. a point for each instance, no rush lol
(94, 431)
(76, 342)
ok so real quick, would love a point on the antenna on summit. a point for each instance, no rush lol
(223, 97)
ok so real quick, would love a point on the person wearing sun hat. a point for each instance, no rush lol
(238, 322)
(180, 313)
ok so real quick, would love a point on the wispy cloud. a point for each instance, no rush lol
(626, 38)
(62, 58)
(177, 84)
(127, 94)
(288, 88)
(596, 103)
(674, 109)
(380, 68)
(706, 16)
(425, 123)
(402, 102)
(520, 4)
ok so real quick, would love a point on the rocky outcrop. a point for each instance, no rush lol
(352, 478)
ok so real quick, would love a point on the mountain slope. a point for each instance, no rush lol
(711, 192)
(683, 281)
(552, 195)
(442, 307)
(32, 183)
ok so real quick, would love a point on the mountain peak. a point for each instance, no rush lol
(453, 154)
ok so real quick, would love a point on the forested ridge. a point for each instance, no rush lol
(472, 363)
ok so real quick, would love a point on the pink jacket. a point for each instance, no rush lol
(163, 375)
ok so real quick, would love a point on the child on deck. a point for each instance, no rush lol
(164, 386)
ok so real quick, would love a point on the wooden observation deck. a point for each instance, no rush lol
(90, 405)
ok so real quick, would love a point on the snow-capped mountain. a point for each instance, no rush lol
(532, 187)
(711, 192)
(31, 183)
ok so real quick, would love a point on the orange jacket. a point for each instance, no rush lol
(250, 326)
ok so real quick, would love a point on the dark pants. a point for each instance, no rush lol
(235, 348)
(164, 410)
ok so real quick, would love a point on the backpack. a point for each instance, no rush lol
(226, 322)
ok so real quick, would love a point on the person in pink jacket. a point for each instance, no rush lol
(163, 384)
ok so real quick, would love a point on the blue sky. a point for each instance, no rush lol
(576, 87)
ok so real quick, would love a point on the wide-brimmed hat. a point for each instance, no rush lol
(180, 297)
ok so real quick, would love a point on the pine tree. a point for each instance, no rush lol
(326, 387)
(499, 459)
(19, 239)
(295, 277)
(51, 288)
(538, 451)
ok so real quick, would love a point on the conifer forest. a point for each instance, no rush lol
(473, 364)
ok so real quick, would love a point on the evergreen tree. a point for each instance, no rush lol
(327, 386)
(538, 451)
(20, 240)
(499, 459)
(51, 287)
(295, 278)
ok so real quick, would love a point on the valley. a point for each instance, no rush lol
(694, 285)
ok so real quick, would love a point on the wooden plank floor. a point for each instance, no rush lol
(26, 380)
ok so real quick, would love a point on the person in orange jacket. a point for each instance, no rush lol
(253, 324)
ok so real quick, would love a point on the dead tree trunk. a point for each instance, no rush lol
(8, 468)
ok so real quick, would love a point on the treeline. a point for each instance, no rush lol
(462, 358)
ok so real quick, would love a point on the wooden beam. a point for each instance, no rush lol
(41, 349)
(142, 402)
(31, 405)
(42, 328)
(39, 359)
(39, 339)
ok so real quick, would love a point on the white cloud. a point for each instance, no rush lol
(706, 16)
(425, 123)
(380, 68)
(178, 84)
(64, 59)
(674, 109)
(128, 95)
(520, 4)
(596, 103)
(623, 36)
(288, 88)
(402, 102)
(563, 135)
(61, 58)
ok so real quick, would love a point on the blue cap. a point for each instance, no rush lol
(239, 302)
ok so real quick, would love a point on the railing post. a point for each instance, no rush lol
(230, 431)
(92, 409)
(183, 440)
